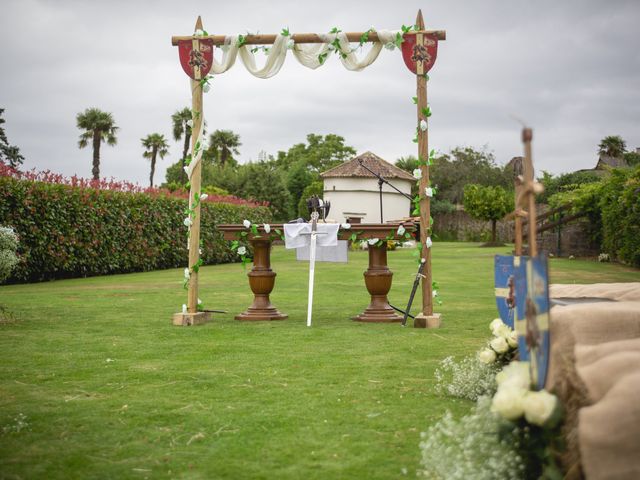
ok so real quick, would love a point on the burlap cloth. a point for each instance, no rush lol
(594, 368)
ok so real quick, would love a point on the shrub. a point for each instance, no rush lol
(8, 248)
(69, 231)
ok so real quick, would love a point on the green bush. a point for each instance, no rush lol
(613, 208)
(70, 232)
(8, 248)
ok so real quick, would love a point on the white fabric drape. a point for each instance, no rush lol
(307, 54)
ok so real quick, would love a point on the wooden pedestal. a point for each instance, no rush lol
(261, 280)
(377, 278)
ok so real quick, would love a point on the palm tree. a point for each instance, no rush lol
(99, 127)
(408, 164)
(182, 126)
(223, 144)
(612, 146)
(154, 144)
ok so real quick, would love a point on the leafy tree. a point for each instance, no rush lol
(262, 181)
(181, 121)
(612, 146)
(98, 127)
(408, 163)
(632, 158)
(223, 144)
(298, 179)
(8, 154)
(465, 165)
(319, 154)
(154, 144)
(563, 183)
(315, 188)
(487, 203)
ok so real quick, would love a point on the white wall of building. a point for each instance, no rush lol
(359, 197)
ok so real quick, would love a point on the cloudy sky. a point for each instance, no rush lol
(569, 69)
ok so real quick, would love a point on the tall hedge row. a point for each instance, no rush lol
(72, 232)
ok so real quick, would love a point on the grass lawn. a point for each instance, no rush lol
(95, 382)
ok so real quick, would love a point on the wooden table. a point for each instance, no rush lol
(377, 277)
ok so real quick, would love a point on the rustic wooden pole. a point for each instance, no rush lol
(426, 319)
(269, 39)
(192, 316)
(527, 136)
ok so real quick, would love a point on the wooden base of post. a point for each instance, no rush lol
(427, 321)
(188, 319)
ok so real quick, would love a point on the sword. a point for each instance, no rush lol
(312, 262)
(416, 282)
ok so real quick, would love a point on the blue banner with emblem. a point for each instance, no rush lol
(532, 315)
(504, 275)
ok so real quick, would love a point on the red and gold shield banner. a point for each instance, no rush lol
(419, 51)
(196, 57)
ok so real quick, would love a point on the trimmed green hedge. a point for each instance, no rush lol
(75, 232)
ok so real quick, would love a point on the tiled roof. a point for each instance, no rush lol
(352, 168)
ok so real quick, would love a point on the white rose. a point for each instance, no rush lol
(429, 243)
(198, 33)
(267, 227)
(515, 374)
(246, 223)
(512, 339)
(507, 402)
(417, 173)
(423, 125)
(434, 293)
(345, 226)
(188, 222)
(184, 308)
(401, 230)
(206, 88)
(242, 250)
(199, 302)
(539, 407)
(290, 44)
(487, 356)
(203, 197)
(428, 192)
(495, 324)
(372, 241)
(499, 344)
(503, 331)
(190, 123)
(187, 274)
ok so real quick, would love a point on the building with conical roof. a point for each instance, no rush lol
(354, 191)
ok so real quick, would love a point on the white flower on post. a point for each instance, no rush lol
(206, 88)
(188, 222)
(515, 374)
(290, 44)
(499, 344)
(372, 241)
(203, 197)
(345, 226)
(401, 230)
(242, 250)
(508, 402)
(487, 356)
(267, 227)
(417, 174)
(199, 302)
(187, 274)
(198, 33)
(539, 407)
(184, 308)
(428, 192)
(186, 170)
(246, 223)
(434, 293)
(423, 125)
(428, 242)
(190, 123)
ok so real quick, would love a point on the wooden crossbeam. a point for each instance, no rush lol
(269, 39)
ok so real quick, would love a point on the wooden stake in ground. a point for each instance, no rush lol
(196, 62)
(419, 52)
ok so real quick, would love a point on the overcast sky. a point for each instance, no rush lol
(569, 69)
